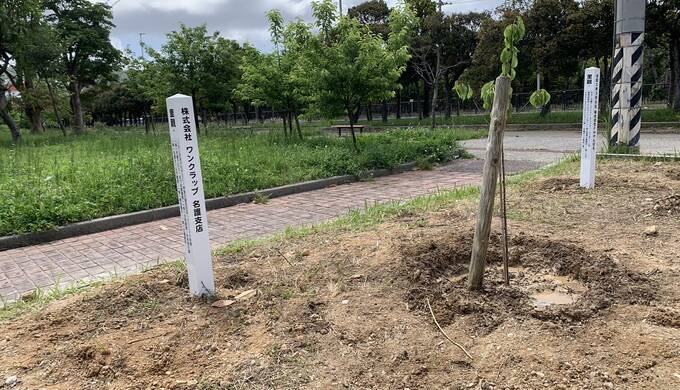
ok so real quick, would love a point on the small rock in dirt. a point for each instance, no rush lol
(345, 301)
(29, 296)
(11, 381)
(246, 295)
(223, 303)
(651, 230)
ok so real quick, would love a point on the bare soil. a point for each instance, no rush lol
(593, 303)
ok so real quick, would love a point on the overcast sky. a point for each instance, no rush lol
(241, 20)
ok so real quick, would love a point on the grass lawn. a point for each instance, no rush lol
(660, 115)
(48, 180)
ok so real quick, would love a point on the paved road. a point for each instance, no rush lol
(550, 146)
(127, 250)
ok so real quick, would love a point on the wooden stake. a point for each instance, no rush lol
(488, 191)
(504, 221)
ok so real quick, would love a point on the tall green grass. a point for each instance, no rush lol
(50, 180)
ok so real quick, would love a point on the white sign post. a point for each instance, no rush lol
(591, 101)
(183, 137)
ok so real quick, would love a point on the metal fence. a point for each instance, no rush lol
(653, 96)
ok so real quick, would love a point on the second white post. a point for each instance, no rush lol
(591, 102)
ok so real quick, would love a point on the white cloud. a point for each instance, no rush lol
(242, 20)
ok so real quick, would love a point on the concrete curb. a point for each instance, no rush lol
(139, 217)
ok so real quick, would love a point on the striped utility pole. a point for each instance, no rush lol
(627, 73)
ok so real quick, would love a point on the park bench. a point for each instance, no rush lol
(340, 128)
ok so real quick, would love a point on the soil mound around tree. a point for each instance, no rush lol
(667, 317)
(668, 205)
(550, 280)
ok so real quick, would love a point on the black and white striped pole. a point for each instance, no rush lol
(627, 74)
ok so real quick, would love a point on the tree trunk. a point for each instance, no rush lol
(297, 124)
(490, 177)
(435, 91)
(7, 118)
(385, 111)
(34, 111)
(433, 114)
(675, 73)
(426, 102)
(356, 114)
(398, 113)
(55, 107)
(447, 95)
(34, 115)
(369, 112)
(419, 106)
(78, 126)
(351, 117)
(290, 123)
(258, 113)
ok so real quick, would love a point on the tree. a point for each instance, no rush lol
(663, 23)
(17, 19)
(280, 79)
(199, 64)
(354, 65)
(151, 83)
(489, 43)
(425, 62)
(458, 47)
(551, 42)
(84, 29)
(376, 15)
(498, 91)
(443, 49)
(373, 13)
(34, 62)
(595, 20)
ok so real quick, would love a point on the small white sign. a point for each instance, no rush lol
(591, 102)
(183, 137)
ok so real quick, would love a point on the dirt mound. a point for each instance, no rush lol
(667, 317)
(673, 173)
(668, 205)
(437, 269)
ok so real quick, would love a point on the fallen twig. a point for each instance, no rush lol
(444, 333)
(284, 257)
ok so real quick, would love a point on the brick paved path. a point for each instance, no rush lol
(127, 250)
